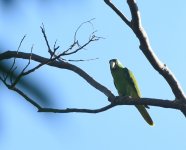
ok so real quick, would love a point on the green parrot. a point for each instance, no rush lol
(127, 85)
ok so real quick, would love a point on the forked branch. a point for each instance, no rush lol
(136, 25)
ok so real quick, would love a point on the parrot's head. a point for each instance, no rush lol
(115, 64)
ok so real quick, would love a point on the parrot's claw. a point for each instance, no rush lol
(120, 99)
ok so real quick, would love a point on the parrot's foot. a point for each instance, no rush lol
(120, 99)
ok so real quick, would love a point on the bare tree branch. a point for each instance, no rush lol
(12, 69)
(117, 101)
(22, 72)
(120, 101)
(118, 12)
(75, 46)
(61, 64)
(136, 26)
(77, 110)
(9, 86)
(92, 38)
(46, 40)
(80, 26)
(114, 100)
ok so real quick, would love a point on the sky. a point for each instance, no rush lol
(122, 127)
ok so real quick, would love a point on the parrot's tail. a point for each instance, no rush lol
(145, 114)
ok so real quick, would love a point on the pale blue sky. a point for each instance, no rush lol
(22, 127)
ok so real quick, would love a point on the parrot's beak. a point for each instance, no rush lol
(112, 64)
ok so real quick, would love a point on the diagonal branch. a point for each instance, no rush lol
(67, 110)
(13, 88)
(145, 46)
(62, 65)
(118, 12)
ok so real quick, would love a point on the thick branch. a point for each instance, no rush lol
(62, 65)
(148, 101)
(139, 31)
(115, 102)
(150, 55)
(121, 101)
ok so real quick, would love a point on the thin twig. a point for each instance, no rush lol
(82, 24)
(77, 60)
(93, 38)
(117, 11)
(46, 40)
(23, 70)
(55, 47)
(11, 75)
(14, 61)
(71, 50)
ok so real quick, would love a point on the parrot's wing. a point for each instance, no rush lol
(134, 83)
(116, 88)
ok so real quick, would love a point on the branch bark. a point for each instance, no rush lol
(120, 101)
(62, 65)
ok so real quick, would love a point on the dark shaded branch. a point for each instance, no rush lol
(122, 101)
(13, 88)
(77, 110)
(148, 101)
(67, 110)
(139, 31)
(153, 102)
(61, 64)
(22, 72)
(46, 40)
(116, 101)
(12, 69)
